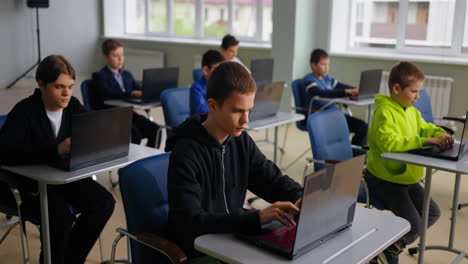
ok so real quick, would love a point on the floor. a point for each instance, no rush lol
(296, 143)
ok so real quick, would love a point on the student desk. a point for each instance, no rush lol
(458, 167)
(281, 118)
(48, 175)
(369, 102)
(144, 106)
(372, 232)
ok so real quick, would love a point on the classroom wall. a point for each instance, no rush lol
(68, 27)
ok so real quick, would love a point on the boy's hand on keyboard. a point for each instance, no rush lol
(447, 137)
(439, 142)
(279, 211)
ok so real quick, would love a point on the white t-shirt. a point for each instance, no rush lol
(55, 119)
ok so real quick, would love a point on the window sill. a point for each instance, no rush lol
(451, 60)
(188, 41)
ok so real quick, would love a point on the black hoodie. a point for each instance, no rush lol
(208, 181)
(27, 135)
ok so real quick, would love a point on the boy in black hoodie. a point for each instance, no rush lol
(37, 130)
(213, 163)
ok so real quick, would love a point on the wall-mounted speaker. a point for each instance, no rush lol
(38, 3)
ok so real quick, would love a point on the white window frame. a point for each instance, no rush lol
(341, 17)
(198, 30)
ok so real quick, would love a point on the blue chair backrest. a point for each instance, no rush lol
(176, 105)
(85, 85)
(143, 185)
(424, 106)
(299, 100)
(197, 74)
(2, 120)
(329, 136)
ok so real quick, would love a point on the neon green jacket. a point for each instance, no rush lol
(396, 129)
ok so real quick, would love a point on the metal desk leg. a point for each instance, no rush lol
(425, 214)
(275, 151)
(45, 223)
(453, 220)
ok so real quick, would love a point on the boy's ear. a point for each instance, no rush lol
(396, 89)
(212, 104)
(41, 84)
(206, 70)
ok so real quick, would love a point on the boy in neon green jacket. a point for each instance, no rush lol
(397, 127)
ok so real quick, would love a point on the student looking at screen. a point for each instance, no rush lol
(37, 130)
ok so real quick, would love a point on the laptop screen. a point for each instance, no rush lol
(370, 82)
(328, 202)
(267, 100)
(464, 138)
(100, 136)
(157, 80)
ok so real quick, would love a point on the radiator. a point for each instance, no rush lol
(136, 60)
(438, 88)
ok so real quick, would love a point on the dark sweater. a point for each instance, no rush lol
(208, 181)
(27, 135)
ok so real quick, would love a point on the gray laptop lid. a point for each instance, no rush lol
(267, 100)
(369, 83)
(100, 136)
(328, 202)
(157, 80)
(262, 70)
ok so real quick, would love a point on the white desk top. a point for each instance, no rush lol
(460, 166)
(372, 231)
(281, 118)
(50, 175)
(344, 100)
(145, 106)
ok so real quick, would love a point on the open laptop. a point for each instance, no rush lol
(369, 84)
(155, 81)
(267, 101)
(327, 210)
(262, 70)
(455, 152)
(97, 137)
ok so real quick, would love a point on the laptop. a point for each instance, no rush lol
(267, 101)
(155, 81)
(455, 152)
(97, 137)
(327, 210)
(262, 70)
(369, 84)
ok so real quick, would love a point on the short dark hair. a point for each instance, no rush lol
(109, 45)
(212, 57)
(227, 78)
(228, 41)
(317, 54)
(404, 73)
(51, 67)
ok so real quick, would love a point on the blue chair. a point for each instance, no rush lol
(85, 86)
(176, 105)
(425, 107)
(197, 74)
(143, 185)
(329, 137)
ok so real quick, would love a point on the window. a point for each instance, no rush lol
(427, 27)
(248, 20)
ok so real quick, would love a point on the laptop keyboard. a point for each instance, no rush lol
(283, 237)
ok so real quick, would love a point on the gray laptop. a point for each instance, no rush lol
(267, 101)
(327, 210)
(262, 70)
(97, 137)
(369, 84)
(455, 152)
(155, 81)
